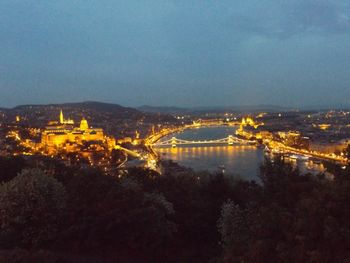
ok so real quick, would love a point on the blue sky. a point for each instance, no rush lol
(176, 53)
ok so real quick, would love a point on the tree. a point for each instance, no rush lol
(234, 229)
(347, 151)
(10, 167)
(31, 206)
(115, 215)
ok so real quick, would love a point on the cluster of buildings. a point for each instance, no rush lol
(63, 134)
(294, 139)
(250, 122)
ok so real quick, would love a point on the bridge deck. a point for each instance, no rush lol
(230, 140)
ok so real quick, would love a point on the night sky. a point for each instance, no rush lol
(176, 53)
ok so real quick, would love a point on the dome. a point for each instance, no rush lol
(84, 124)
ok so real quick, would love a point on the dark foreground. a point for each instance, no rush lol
(51, 213)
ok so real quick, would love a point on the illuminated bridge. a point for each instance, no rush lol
(230, 140)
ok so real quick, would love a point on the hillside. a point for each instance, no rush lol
(114, 118)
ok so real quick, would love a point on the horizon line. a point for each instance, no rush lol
(304, 107)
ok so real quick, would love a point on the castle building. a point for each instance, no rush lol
(63, 121)
(64, 133)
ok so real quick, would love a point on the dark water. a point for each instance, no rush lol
(237, 160)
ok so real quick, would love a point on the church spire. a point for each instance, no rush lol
(61, 117)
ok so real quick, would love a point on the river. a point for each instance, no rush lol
(240, 160)
(237, 160)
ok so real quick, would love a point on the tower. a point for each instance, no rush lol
(61, 117)
(84, 125)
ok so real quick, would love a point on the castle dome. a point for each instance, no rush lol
(84, 125)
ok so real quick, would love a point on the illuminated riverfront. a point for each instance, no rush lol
(241, 160)
(289, 144)
(174, 131)
(138, 145)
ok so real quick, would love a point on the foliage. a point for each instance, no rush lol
(31, 206)
(347, 151)
(197, 199)
(301, 218)
(26, 256)
(109, 214)
(234, 227)
(10, 167)
(179, 216)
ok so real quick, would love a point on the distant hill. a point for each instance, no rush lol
(87, 105)
(178, 110)
(113, 118)
(97, 112)
(246, 108)
(241, 109)
(327, 107)
(88, 109)
(168, 110)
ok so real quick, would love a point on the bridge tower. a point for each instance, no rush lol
(173, 142)
(230, 140)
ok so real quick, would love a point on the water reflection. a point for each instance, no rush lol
(310, 166)
(242, 160)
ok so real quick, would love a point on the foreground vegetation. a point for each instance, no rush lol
(58, 214)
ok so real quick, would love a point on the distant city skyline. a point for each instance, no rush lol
(176, 53)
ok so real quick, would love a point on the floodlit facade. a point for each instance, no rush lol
(64, 132)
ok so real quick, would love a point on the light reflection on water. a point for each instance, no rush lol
(237, 160)
(307, 166)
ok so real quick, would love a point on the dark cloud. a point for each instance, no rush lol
(184, 52)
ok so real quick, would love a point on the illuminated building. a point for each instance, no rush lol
(324, 126)
(63, 121)
(64, 133)
(294, 139)
(250, 122)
